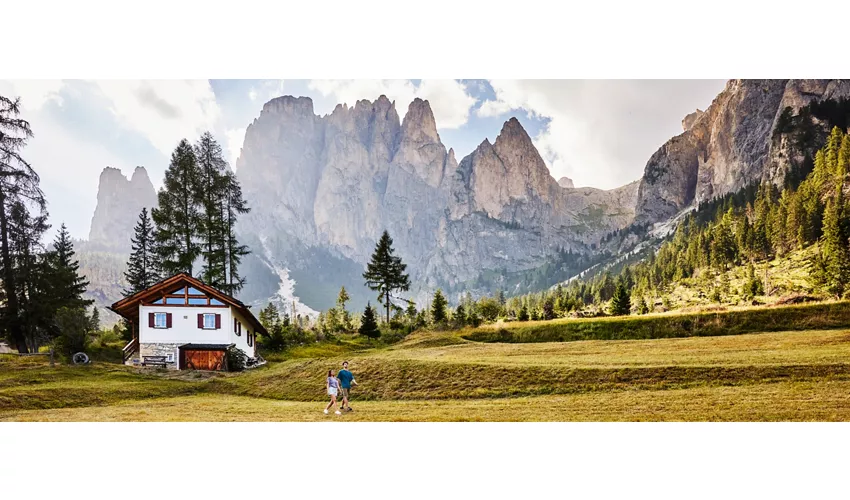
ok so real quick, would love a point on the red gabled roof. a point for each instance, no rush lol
(128, 307)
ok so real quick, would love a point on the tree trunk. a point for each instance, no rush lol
(387, 297)
(9, 282)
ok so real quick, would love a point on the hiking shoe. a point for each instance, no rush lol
(326, 412)
(349, 409)
(338, 412)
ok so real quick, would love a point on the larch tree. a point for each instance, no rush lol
(212, 190)
(19, 183)
(385, 273)
(233, 205)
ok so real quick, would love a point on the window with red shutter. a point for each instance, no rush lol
(218, 321)
(168, 320)
(150, 320)
(200, 321)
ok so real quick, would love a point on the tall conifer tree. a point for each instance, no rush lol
(385, 273)
(19, 183)
(178, 218)
(142, 268)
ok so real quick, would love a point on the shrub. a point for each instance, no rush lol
(235, 359)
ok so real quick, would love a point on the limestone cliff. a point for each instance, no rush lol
(324, 188)
(728, 146)
(119, 202)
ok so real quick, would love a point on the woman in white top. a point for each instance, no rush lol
(333, 389)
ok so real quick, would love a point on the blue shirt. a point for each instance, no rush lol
(332, 382)
(345, 377)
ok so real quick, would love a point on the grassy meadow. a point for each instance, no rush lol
(799, 373)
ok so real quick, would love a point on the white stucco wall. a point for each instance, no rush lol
(184, 328)
(241, 341)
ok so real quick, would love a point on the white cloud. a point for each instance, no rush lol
(601, 133)
(36, 93)
(252, 94)
(165, 111)
(449, 99)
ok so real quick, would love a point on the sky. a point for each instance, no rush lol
(600, 133)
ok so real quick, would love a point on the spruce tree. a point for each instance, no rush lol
(178, 218)
(621, 302)
(438, 308)
(368, 324)
(94, 319)
(68, 286)
(385, 272)
(142, 266)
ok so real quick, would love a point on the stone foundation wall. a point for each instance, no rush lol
(160, 350)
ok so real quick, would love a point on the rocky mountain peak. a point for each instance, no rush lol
(119, 202)
(691, 118)
(566, 182)
(419, 124)
(289, 105)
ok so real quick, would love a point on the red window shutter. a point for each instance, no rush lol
(218, 321)
(168, 320)
(150, 320)
(200, 320)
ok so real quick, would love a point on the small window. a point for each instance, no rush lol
(209, 321)
(193, 291)
(182, 291)
(250, 338)
(175, 300)
(215, 302)
(159, 320)
(158, 301)
(169, 357)
(197, 301)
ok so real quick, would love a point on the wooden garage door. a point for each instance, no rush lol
(204, 360)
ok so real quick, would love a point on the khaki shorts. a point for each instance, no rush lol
(345, 392)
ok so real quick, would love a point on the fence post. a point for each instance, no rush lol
(51, 357)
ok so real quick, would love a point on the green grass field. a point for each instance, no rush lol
(795, 375)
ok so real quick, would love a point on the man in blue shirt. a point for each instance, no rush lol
(346, 378)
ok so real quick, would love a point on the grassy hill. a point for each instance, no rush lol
(781, 375)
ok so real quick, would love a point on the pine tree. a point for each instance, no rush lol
(368, 324)
(141, 267)
(178, 218)
(211, 193)
(621, 302)
(19, 183)
(438, 308)
(385, 273)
